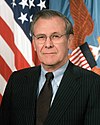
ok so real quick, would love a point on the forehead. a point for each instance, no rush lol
(49, 24)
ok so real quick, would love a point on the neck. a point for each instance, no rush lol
(52, 68)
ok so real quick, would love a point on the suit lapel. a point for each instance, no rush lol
(65, 94)
(32, 80)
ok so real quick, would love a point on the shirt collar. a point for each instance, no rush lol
(57, 74)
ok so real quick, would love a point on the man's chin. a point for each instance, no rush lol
(51, 64)
(48, 64)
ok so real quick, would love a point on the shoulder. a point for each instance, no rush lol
(83, 73)
(25, 72)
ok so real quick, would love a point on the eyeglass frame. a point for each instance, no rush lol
(51, 37)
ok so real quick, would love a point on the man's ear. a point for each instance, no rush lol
(71, 45)
(34, 45)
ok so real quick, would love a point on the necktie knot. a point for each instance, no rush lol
(49, 76)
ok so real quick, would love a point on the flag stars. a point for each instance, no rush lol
(41, 4)
(23, 3)
(31, 3)
(31, 18)
(23, 17)
(13, 3)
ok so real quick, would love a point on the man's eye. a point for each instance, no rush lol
(55, 36)
(41, 37)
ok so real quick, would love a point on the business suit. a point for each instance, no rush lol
(77, 100)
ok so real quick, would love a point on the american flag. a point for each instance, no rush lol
(83, 56)
(78, 59)
(16, 50)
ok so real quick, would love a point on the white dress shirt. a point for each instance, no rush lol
(58, 74)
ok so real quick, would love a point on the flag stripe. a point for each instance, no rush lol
(78, 59)
(0, 98)
(17, 51)
(20, 39)
(7, 34)
(5, 69)
(7, 54)
(2, 85)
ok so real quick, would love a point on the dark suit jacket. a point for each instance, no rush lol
(77, 101)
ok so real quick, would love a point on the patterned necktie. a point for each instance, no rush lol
(44, 99)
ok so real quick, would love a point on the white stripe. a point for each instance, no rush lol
(77, 63)
(21, 41)
(78, 59)
(95, 51)
(75, 55)
(86, 67)
(7, 54)
(84, 62)
(74, 58)
(3, 84)
(75, 50)
(82, 58)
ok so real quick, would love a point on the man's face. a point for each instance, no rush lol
(51, 50)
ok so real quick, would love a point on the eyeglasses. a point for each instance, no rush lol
(42, 38)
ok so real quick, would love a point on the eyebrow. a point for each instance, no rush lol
(45, 34)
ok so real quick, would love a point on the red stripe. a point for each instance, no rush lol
(7, 34)
(82, 62)
(77, 60)
(75, 52)
(5, 71)
(0, 98)
(76, 57)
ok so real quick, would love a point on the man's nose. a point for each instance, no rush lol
(48, 43)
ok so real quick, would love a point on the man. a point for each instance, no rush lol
(76, 92)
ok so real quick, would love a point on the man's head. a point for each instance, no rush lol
(46, 14)
(51, 33)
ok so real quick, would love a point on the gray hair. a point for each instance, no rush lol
(46, 14)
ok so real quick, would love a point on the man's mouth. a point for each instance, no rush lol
(49, 53)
